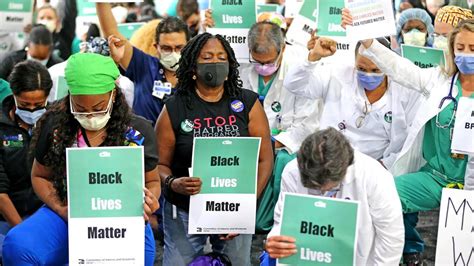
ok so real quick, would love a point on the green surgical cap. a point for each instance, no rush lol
(90, 74)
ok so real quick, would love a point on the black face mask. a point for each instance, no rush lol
(212, 74)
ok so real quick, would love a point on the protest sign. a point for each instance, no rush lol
(227, 202)
(61, 89)
(86, 15)
(233, 19)
(293, 7)
(455, 230)
(424, 57)
(370, 19)
(15, 15)
(462, 138)
(128, 29)
(321, 238)
(105, 197)
(329, 25)
(267, 8)
(303, 24)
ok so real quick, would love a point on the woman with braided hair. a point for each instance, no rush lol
(209, 102)
(94, 114)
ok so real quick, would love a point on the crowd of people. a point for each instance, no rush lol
(378, 131)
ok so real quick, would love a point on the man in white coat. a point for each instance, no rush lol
(327, 165)
(371, 110)
(291, 117)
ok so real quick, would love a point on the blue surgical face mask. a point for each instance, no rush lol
(465, 63)
(29, 116)
(370, 81)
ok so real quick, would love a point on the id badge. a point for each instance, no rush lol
(161, 89)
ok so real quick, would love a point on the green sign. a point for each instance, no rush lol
(226, 165)
(322, 237)
(329, 18)
(24, 6)
(105, 182)
(86, 8)
(62, 89)
(127, 29)
(309, 10)
(267, 8)
(234, 14)
(423, 57)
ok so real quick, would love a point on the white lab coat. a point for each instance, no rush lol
(433, 84)
(380, 227)
(299, 115)
(344, 101)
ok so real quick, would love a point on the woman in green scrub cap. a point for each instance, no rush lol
(94, 114)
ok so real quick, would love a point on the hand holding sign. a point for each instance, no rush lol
(62, 210)
(320, 47)
(187, 185)
(280, 246)
(150, 205)
(347, 21)
(208, 21)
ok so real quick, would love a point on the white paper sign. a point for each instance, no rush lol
(371, 19)
(345, 51)
(292, 7)
(15, 15)
(463, 134)
(455, 244)
(303, 24)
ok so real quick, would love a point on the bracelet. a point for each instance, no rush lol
(169, 179)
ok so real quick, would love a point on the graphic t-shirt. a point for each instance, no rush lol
(193, 117)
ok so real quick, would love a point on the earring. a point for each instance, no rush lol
(194, 77)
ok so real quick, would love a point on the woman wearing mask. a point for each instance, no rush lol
(94, 114)
(30, 84)
(414, 27)
(427, 162)
(446, 19)
(209, 88)
(371, 110)
(63, 30)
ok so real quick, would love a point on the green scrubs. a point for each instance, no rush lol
(421, 191)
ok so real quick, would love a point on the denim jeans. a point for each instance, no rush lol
(181, 248)
(42, 239)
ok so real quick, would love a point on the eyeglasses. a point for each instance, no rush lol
(166, 50)
(252, 61)
(365, 111)
(98, 113)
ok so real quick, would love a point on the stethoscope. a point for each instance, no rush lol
(450, 98)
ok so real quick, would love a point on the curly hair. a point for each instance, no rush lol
(64, 131)
(188, 63)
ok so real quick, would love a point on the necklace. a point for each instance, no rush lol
(98, 134)
(217, 98)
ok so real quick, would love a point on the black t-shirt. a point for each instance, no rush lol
(228, 117)
(139, 133)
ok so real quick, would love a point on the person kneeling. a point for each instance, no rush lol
(326, 165)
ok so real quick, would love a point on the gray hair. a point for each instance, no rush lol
(264, 34)
(324, 157)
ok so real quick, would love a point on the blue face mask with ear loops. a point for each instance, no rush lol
(465, 63)
(370, 81)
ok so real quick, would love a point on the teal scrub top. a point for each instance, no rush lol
(437, 145)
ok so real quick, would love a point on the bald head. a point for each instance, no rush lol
(265, 37)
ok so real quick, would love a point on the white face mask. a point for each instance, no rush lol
(440, 42)
(414, 37)
(170, 61)
(97, 121)
(49, 24)
(43, 62)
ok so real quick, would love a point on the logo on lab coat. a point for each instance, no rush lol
(388, 117)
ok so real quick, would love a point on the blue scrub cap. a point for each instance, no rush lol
(418, 14)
